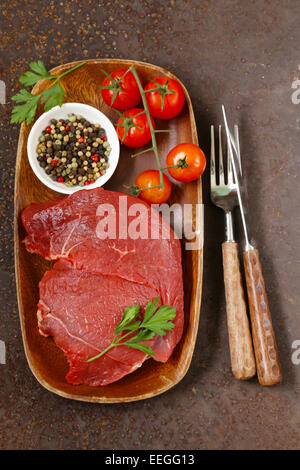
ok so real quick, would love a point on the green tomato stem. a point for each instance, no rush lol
(154, 143)
(142, 151)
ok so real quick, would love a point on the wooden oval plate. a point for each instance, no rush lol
(45, 359)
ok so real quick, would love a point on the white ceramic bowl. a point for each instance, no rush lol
(94, 116)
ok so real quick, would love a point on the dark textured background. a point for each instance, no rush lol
(243, 54)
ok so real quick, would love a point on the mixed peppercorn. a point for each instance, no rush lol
(73, 151)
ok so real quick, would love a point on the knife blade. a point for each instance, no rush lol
(264, 342)
(236, 166)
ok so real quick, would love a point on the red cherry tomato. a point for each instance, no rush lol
(126, 89)
(172, 102)
(150, 178)
(136, 136)
(194, 158)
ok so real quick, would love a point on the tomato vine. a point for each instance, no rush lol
(152, 130)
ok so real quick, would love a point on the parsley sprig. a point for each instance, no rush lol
(155, 322)
(53, 95)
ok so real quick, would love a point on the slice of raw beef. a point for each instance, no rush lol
(81, 311)
(72, 229)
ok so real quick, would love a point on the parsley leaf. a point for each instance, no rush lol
(30, 78)
(22, 96)
(141, 347)
(26, 111)
(160, 322)
(53, 95)
(130, 314)
(155, 322)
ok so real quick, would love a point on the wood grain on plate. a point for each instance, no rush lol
(45, 359)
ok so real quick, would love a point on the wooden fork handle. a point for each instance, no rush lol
(240, 342)
(265, 347)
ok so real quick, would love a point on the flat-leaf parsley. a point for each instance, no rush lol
(53, 95)
(155, 322)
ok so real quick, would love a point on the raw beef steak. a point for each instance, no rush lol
(68, 229)
(81, 311)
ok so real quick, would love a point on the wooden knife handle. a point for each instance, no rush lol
(240, 342)
(265, 347)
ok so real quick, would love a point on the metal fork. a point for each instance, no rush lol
(224, 195)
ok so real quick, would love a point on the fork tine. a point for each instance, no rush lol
(221, 165)
(212, 157)
(237, 141)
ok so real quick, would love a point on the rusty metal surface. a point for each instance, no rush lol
(243, 54)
